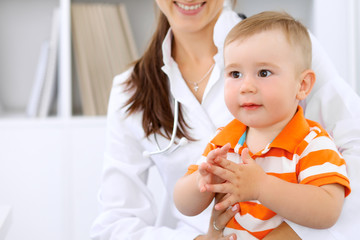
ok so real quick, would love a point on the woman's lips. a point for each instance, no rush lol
(189, 9)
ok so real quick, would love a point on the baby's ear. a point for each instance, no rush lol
(306, 84)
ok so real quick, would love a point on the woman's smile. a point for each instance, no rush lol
(189, 8)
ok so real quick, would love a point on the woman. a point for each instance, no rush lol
(185, 63)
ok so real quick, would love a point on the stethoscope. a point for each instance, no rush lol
(182, 141)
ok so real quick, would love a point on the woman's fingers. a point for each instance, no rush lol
(220, 220)
(229, 237)
(226, 216)
(227, 203)
(219, 197)
(206, 237)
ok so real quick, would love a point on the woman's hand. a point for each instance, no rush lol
(282, 232)
(218, 221)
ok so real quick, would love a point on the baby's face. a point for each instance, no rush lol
(262, 79)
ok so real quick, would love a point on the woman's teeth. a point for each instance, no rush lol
(189, 8)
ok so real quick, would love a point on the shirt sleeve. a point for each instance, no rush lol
(336, 106)
(321, 164)
(128, 209)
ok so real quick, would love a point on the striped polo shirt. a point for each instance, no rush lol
(302, 153)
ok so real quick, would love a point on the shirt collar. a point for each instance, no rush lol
(293, 133)
(288, 139)
(230, 134)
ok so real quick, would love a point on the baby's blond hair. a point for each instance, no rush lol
(295, 32)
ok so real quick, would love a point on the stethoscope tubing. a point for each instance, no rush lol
(183, 141)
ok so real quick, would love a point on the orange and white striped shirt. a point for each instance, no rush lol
(302, 153)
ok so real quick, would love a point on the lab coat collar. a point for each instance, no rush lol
(227, 20)
(178, 87)
(166, 51)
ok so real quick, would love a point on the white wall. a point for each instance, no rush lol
(357, 41)
(49, 175)
(301, 10)
(336, 25)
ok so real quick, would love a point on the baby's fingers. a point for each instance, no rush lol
(203, 169)
(203, 177)
(217, 153)
(224, 149)
(223, 173)
(202, 186)
(220, 188)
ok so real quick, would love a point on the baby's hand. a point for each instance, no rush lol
(205, 177)
(242, 181)
(218, 153)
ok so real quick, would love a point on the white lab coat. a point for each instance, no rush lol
(129, 211)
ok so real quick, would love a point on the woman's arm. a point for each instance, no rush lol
(220, 219)
(128, 209)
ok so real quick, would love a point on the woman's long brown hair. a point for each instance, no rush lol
(150, 87)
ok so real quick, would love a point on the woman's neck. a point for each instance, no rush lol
(193, 53)
(193, 48)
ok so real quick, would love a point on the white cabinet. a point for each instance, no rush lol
(140, 15)
(24, 26)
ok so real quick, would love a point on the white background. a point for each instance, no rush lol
(50, 168)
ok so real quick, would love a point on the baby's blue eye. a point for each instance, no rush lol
(235, 74)
(264, 73)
